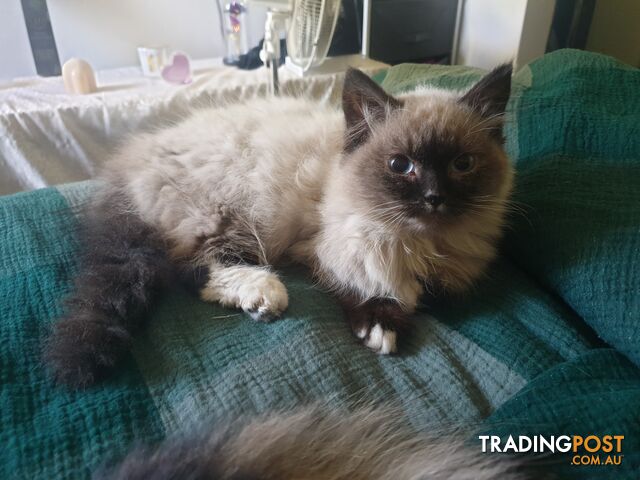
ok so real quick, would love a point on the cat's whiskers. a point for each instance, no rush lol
(392, 220)
(381, 206)
(480, 212)
(500, 205)
(482, 123)
(385, 210)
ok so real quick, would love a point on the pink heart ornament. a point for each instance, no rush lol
(179, 71)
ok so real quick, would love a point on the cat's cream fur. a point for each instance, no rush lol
(278, 167)
(320, 443)
(237, 189)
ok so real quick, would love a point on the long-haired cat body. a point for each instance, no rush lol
(381, 200)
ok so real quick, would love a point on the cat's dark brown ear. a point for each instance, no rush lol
(364, 103)
(490, 95)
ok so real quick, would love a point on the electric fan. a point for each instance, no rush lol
(309, 27)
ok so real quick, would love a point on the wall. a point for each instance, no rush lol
(538, 17)
(497, 31)
(615, 30)
(107, 32)
(15, 51)
(490, 31)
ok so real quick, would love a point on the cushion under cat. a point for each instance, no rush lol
(382, 200)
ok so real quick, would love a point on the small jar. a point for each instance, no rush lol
(234, 29)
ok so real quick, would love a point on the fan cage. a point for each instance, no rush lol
(310, 31)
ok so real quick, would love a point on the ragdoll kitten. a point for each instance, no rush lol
(382, 200)
(319, 444)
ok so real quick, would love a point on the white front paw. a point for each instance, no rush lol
(377, 323)
(257, 291)
(380, 340)
(265, 300)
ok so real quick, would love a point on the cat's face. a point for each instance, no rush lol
(429, 158)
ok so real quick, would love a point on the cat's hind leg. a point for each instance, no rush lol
(254, 289)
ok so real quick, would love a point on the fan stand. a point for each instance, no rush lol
(270, 53)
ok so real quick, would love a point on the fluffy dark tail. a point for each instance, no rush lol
(123, 267)
(317, 442)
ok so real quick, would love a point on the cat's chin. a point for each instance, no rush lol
(427, 223)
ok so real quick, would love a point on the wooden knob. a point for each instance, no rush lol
(78, 77)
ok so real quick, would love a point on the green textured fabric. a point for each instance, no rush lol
(199, 361)
(579, 179)
(202, 360)
(507, 355)
(46, 432)
(597, 393)
(407, 76)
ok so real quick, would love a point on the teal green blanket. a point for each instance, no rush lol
(544, 345)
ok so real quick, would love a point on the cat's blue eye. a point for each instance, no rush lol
(463, 164)
(401, 164)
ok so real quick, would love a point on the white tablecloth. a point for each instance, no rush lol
(49, 137)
